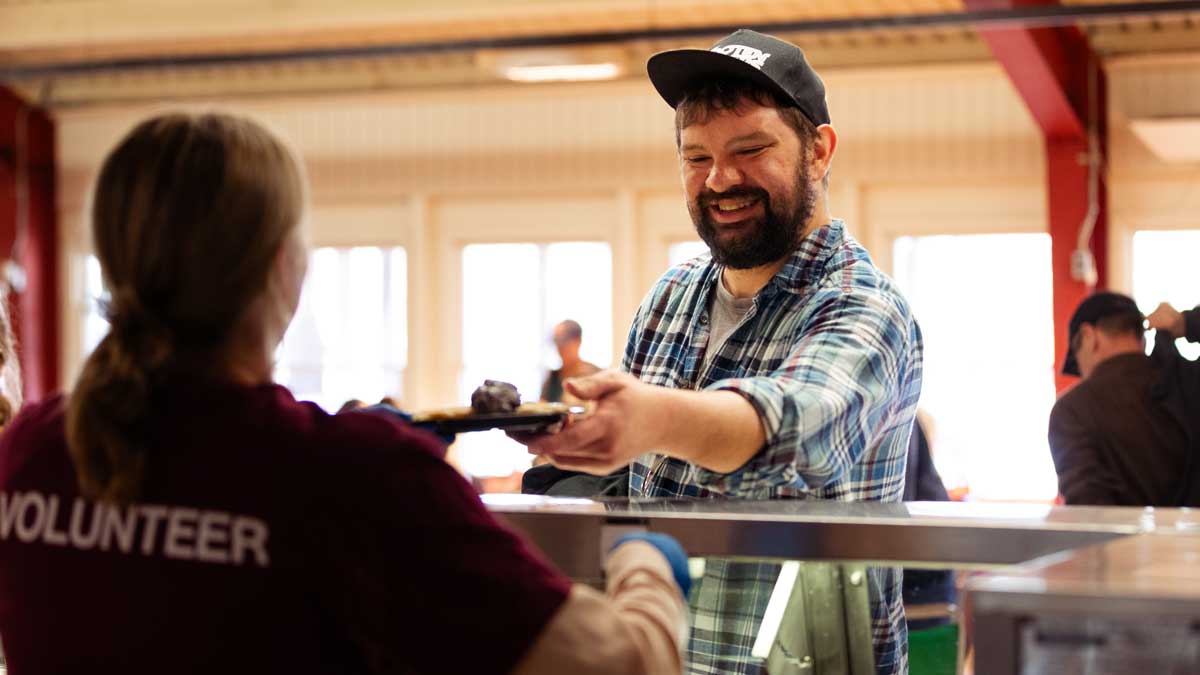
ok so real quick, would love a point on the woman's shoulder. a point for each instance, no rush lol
(267, 421)
(371, 461)
(365, 429)
(38, 422)
(38, 429)
(40, 416)
(370, 430)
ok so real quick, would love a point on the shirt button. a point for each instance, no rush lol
(703, 319)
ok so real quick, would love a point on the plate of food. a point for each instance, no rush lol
(495, 405)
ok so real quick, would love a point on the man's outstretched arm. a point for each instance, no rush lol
(718, 430)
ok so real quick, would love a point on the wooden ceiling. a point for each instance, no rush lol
(47, 30)
(66, 52)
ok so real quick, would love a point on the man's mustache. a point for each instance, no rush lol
(709, 197)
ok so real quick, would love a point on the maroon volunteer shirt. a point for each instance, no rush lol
(271, 537)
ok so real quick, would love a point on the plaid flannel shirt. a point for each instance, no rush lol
(830, 357)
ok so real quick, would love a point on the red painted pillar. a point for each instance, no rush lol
(29, 231)
(1063, 84)
(1067, 189)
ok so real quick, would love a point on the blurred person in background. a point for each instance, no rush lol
(10, 380)
(180, 512)
(545, 479)
(922, 483)
(10, 368)
(928, 592)
(568, 338)
(1128, 434)
(785, 365)
(352, 404)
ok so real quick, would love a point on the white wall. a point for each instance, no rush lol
(1145, 191)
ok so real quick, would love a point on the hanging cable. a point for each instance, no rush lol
(1083, 262)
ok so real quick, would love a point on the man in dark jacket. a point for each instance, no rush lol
(1126, 435)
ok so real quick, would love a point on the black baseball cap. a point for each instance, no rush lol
(778, 66)
(1097, 306)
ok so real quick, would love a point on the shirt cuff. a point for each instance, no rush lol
(766, 469)
(1191, 325)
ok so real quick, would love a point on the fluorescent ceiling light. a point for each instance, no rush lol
(558, 73)
(1172, 139)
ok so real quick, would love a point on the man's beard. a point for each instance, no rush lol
(775, 235)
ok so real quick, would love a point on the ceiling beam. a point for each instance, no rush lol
(1048, 67)
(1024, 16)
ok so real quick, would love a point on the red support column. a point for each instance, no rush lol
(1067, 180)
(29, 230)
(1062, 82)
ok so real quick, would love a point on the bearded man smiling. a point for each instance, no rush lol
(784, 365)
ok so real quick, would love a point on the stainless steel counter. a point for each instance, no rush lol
(1108, 588)
(935, 534)
(1127, 605)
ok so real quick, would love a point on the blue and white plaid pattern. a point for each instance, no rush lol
(830, 356)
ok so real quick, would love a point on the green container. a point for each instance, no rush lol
(933, 651)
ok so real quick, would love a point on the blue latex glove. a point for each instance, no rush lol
(396, 412)
(671, 550)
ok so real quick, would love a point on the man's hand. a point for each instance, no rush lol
(1166, 318)
(621, 427)
(718, 430)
